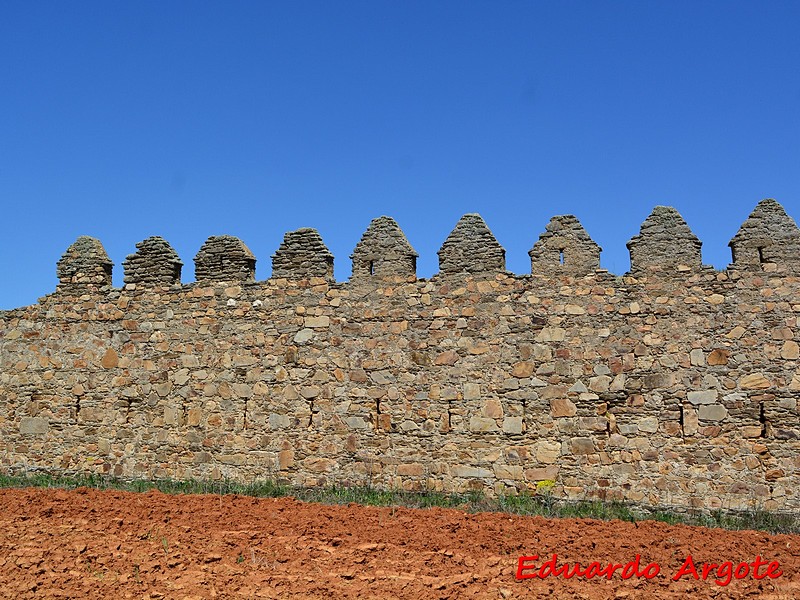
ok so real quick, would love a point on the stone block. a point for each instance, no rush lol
(562, 407)
(468, 471)
(712, 412)
(582, 446)
(512, 425)
(702, 397)
(482, 425)
(492, 409)
(754, 381)
(548, 451)
(542, 473)
(648, 424)
(411, 470)
(34, 426)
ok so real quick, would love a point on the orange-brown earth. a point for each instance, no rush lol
(92, 544)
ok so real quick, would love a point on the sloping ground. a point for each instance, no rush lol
(93, 544)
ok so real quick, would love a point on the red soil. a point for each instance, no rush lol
(91, 544)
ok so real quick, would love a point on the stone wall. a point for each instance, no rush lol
(669, 387)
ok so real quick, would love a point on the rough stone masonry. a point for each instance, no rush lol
(674, 385)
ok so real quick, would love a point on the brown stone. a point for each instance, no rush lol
(492, 409)
(562, 407)
(110, 359)
(754, 381)
(582, 446)
(449, 357)
(542, 473)
(718, 357)
(523, 369)
(790, 350)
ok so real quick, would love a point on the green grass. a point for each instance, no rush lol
(544, 505)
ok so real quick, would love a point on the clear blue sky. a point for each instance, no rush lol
(123, 120)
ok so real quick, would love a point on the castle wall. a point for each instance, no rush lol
(676, 390)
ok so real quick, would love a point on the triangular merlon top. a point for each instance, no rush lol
(224, 258)
(471, 247)
(768, 235)
(665, 243)
(302, 255)
(384, 252)
(155, 262)
(565, 247)
(85, 262)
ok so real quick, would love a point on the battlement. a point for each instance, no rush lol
(768, 236)
(672, 385)
(768, 239)
(224, 258)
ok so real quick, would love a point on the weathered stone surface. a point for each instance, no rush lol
(565, 247)
(712, 412)
(768, 235)
(33, 426)
(110, 359)
(718, 357)
(582, 445)
(513, 425)
(302, 255)
(471, 248)
(702, 396)
(548, 451)
(481, 424)
(384, 253)
(665, 243)
(155, 262)
(754, 381)
(648, 424)
(666, 389)
(790, 350)
(224, 258)
(562, 407)
(85, 262)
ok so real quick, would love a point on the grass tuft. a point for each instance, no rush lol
(541, 504)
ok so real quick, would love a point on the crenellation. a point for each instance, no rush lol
(471, 248)
(302, 255)
(155, 262)
(647, 388)
(665, 243)
(224, 258)
(384, 253)
(565, 247)
(768, 236)
(85, 262)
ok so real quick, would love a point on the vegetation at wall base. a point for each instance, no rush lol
(541, 504)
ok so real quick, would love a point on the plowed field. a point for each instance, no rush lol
(93, 544)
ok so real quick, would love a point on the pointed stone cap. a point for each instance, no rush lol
(155, 262)
(471, 248)
(768, 235)
(665, 243)
(85, 262)
(384, 253)
(302, 255)
(224, 258)
(565, 247)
